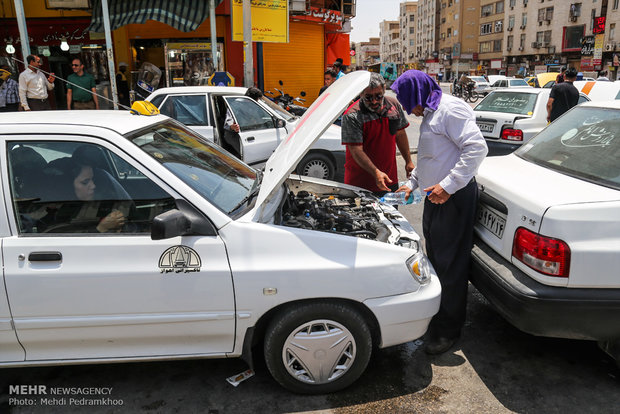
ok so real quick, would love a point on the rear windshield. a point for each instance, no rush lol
(518, 82)
(508, 102)
(582, 144)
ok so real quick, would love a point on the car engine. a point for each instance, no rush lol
(356, 216)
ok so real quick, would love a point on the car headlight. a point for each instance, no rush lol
(420, 268)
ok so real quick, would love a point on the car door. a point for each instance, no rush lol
(190, 110)
(79, 289)
(258, 134)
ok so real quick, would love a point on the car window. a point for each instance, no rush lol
(249, 115)
(585, 143)
(518, 82)
(212, 172)
(188, 109)
(277, 109)
(508, 102)
(582, 99)
(478, 78)
(157, 100)
(549, 84)
(72, 187)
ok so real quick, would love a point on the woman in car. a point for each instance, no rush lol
(80, 211)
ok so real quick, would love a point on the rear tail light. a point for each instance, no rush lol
(512, 134)
(543, 254)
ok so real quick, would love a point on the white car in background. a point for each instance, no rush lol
(547, 251)
(263, 126)
(212, 258)
(508, 118)
(482, 85)
(510, 83)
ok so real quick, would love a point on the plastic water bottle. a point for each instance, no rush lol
(415, 197)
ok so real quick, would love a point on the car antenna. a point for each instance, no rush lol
(133, 111)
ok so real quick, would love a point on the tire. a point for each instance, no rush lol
(317, 165)
(473, 96)
(339, 338)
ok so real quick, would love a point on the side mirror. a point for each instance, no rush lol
(280, 123)
(184, 221)
(170, 224)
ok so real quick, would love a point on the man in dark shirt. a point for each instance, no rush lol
(563, 96)
(372, 129)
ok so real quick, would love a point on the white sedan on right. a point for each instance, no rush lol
(547, 251)
(508, 118)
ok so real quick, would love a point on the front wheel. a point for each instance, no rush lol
(473, 96)
(317, 348)
(317, 165)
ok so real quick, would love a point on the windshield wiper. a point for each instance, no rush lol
(253, 192)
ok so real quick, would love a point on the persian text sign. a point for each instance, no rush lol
(269, 20)
(597, 57)
(316, 14)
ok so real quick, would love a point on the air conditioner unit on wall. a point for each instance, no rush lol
(521, 48)
(609, 46)
(535, 45)
(509, 28)
(522, 27)
(508, 49)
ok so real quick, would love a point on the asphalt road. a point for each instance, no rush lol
(494, 368)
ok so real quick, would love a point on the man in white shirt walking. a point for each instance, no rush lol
(450, 150)
(33, 86)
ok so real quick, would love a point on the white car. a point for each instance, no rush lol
(482, 87)
(132, 238)
(509, 117)
(510, 83)
(547, 251)
(263, 125)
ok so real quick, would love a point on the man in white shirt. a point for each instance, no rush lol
(33, 86)
(450, 150)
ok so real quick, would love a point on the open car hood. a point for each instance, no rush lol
(315, 121)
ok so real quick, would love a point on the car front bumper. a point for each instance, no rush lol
(403, 318)
(576, 313)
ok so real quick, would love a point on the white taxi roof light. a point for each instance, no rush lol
(144, 108)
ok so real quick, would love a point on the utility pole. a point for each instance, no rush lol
(248, 61)
(110, 52)
(213, 34)
(23, 32)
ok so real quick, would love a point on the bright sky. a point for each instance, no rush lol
(368, 15)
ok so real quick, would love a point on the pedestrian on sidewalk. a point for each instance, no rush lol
(33, 86)
(9, 91)
(450, 150)
(86, 96)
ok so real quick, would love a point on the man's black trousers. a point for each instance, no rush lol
(448, 230)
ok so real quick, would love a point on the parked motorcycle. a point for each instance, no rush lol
(286, 101)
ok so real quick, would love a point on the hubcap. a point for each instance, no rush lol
(316, 168)
(319, 351)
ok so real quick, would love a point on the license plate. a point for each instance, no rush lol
(485, 127)
(491, 220)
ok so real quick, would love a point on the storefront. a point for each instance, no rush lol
(46, 37)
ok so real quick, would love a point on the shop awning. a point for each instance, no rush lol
(183, 15)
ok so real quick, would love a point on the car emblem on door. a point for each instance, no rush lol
(179, 259)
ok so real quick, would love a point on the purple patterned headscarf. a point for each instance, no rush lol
(415, 88)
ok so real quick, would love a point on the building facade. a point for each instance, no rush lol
(427, 29)
(407, 16)
(390, 46)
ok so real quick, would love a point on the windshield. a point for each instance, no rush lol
(478, 78)
(582, 144)
(508, 102)
(277, 109)
(214, 173)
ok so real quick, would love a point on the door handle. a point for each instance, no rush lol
(250, 139)
(45, 257)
